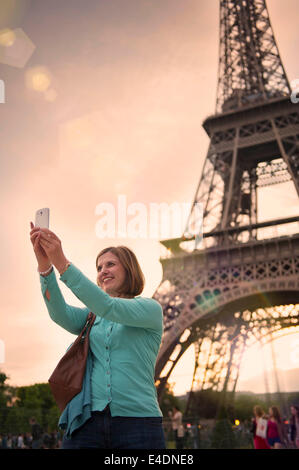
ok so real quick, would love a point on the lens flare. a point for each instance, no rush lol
(38, 79)
(7, 37)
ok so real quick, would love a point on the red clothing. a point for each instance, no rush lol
(272, 431)
(259, 442)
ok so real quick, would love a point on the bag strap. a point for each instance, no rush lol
(88, 324)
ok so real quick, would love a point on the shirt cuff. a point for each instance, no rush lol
(47, 281)
(71, 276)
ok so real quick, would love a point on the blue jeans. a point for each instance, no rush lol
(102, 431)
(37, 444)
(273, 440)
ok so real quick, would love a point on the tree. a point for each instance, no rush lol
(244, 405)
(3, 399)
(35, 396)
(39, 402)
(223, 436)
(169, 401)
(204, 404)
(3, 390)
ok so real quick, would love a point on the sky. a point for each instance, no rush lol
(103, 99)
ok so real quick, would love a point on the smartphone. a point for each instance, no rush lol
(42, 217)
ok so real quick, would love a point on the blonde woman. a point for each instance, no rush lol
(259, 442)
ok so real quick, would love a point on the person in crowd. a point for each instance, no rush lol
(58, 438)
(14, 441)
(275, 433)
(46, 441)
(20, 442)
(9, 442)
(259, 418)
(27, 440)
(177, 426)
(124, 342)
(294, 426)
(36, 432)
(52, 442)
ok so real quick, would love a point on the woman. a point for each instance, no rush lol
(259, 442)
(275, 432)
(294, 426)
(124, 342)
(177, 426)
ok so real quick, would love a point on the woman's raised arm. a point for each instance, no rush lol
(140, 311)
(68, 317)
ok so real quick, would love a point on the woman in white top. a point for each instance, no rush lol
(177, 426)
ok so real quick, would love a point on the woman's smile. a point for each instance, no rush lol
(111, 273)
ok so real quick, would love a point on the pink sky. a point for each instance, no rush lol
(133, 81)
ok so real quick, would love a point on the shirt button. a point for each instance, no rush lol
(107, 347)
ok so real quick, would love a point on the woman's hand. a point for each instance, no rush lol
(40, 254)
(51, 244)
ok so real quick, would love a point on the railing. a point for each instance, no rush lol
(268, 230)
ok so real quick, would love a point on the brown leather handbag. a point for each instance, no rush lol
(67, 378)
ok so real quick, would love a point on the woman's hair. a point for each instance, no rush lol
(293, 417)
(258, 411)
(275, 413)
(134, 282)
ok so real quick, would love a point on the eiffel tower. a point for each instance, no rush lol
(230, 281)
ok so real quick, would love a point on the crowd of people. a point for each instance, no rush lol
(270, 431)
(36, 439)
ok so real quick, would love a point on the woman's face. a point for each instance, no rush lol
(111, 274)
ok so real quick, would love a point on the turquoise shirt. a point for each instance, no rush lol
(124, 342)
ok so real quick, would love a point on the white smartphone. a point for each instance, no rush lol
(42, 217)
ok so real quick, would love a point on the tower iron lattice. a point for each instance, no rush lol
(226, 282)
